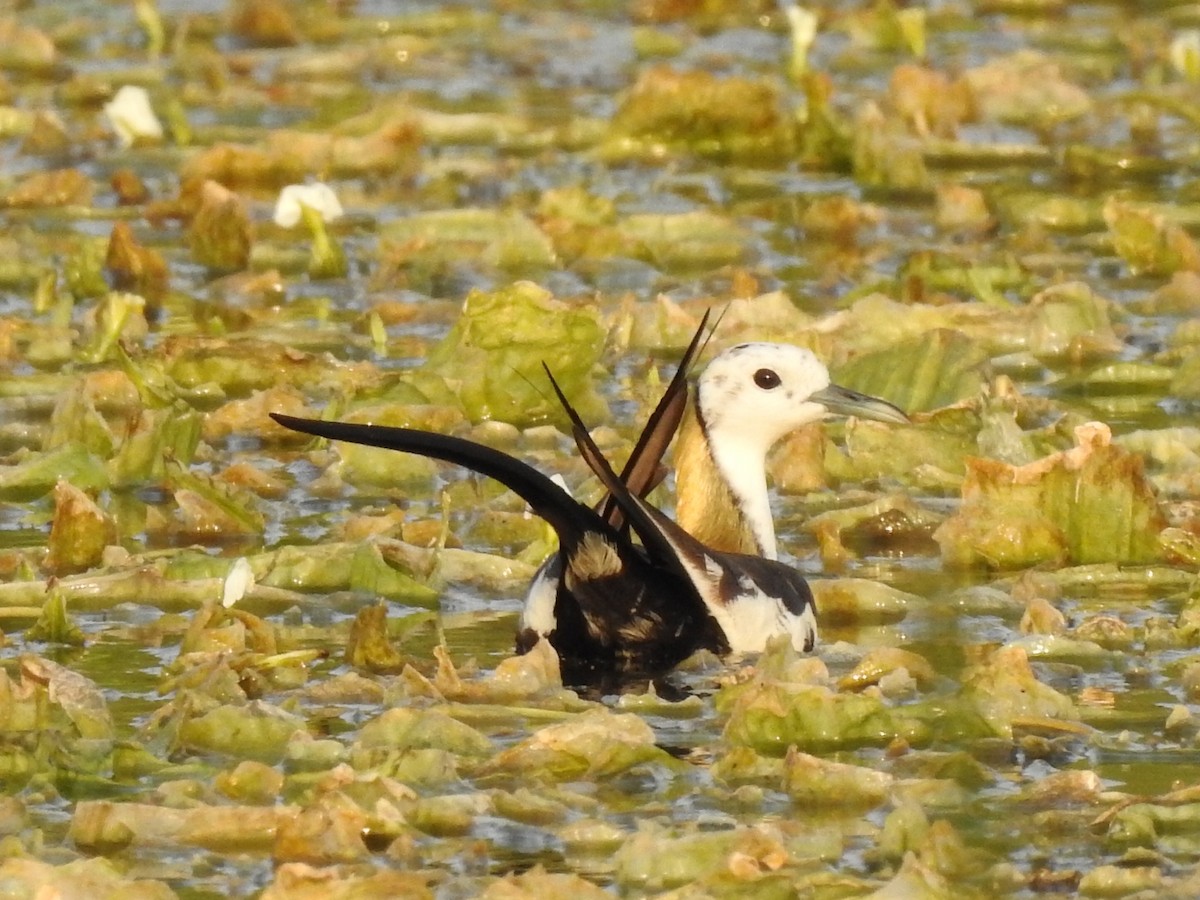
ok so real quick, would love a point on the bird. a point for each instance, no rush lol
(629, 611)
(643, 472)
(750, 598)
(606, 603)
(747, 398)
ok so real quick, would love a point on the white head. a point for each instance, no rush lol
(749, 397)
(757, 393)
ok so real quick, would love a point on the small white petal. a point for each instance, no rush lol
(803, 25)
(131, 115)
(318, 196)
(237, 583)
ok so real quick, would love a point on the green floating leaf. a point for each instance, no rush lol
(771, 716)
(1005, 693)
(814, 782)
(37, 473)
(119, 314)
(1091, 504)
(76, 696)
(887, 158)
(402, 728)
(368, 645)
(596, 744)
(872, 450)
(370, 572)
(156, 436)
(936, 369)
(54, 625)
(696, 112)
(683, 242)
(208, 506)
(1149, 242)
(500, 238)
(221, 234)
(79, 532)
(497, 347)
(85, 269)
(1067, 318)
(256, 730)
(75, 421)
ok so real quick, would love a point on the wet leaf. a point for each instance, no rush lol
(501, 377)
(220, 234)
(80, 531)
(1004, 692)
(1089, 504)
(54, 625)
(368, 645)
(257, 731)
(699, 113)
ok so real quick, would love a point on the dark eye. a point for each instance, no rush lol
(767, 379)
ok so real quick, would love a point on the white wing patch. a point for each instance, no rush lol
(538, 612)
(750, 620)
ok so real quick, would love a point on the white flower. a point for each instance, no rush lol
(132, 117)
(238, 582)
(803, 25)
(318, 196)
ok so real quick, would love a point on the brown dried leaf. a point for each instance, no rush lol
(80, 531)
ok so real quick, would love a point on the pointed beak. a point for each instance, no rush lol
(846, 402)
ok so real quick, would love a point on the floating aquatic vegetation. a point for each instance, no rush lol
(135, 267)
(939, 368)
(1006, 695)
(771, 716)
(80, 531)
(421, 247)
(1026, 87)
(859, 600)
(597, 744)
(220, 234)
(368, 646)
(1089, 504)
(672, 111)
(61, 187)
(1025, 265)
(1148, 241)
(497, 347)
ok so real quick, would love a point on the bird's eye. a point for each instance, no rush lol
(767, 379)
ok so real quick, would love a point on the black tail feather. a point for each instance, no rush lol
(566, 515)
(653, 528)
(643, 471)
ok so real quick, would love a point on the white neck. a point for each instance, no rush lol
(741, 461)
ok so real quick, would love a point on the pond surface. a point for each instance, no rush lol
(985, 212)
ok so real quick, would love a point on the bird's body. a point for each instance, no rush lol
(711, 581)
(751, 599)
(544, 601)
(628, 611)
(747, 398)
